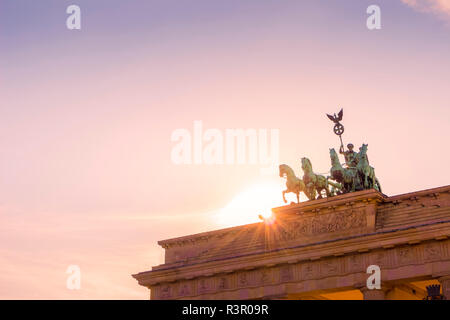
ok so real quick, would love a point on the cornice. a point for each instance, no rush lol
(383, 239)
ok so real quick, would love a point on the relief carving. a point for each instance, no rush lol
(185, 289)
(165, 292)
(405, 255)
(286, 274)
(355, 263)
(242, 279)
(432, 251)
(322, 224)
(380, 258)
(265, 276)
(223, 283)
(204, 285)
(307, 271)
(329, 267)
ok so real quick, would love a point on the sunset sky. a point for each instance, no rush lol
(86, 118)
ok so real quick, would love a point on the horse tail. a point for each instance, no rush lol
(378, 184)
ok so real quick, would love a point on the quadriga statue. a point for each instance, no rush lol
(354, 178)
(294, 184)
(318, 183)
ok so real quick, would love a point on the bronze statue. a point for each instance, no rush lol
(361, 177)
(357, 175)
(351, 159)
(294, 184)
(338, 127)
(366, 172)
(317, 182)
(347, 177)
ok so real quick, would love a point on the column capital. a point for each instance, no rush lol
(444, 278)
(374, 294)
(363, 287)
(445, 284)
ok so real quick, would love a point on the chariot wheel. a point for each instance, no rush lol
(338, 129)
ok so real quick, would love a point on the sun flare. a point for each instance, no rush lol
(246, 206)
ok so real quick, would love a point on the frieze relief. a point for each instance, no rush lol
(223, 283)
(165, 291)
(286, 273)
(432, 251)
(318, 224)
(355, 263)
(321, 224)
(246, 278)
(224, 243)
(185, 289)
(306, 270)
(236, 233)
(331, 267)
(205, 285)
(406, 255)
(381, 258)
(265, 276)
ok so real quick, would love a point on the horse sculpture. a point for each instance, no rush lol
(347, 177)
(316, 182)
(361, 177)
(293, 184)
(366, 172)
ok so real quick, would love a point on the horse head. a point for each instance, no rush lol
(306, 164)
(282, 168)
(285, 170)
(333, 156)
(362, 154)
(363, 148)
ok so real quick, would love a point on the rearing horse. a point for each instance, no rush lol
(347, 177)
(293, 184)
(367, 172)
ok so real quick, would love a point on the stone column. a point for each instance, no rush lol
(374, 294)
(445, 284)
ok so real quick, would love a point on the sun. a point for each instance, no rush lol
(253, 201)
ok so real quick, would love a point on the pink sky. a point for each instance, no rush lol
(86, 119)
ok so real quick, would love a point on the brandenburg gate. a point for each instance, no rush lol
(316, 250)
(320, 248)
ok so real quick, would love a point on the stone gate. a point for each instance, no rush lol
(318, 249)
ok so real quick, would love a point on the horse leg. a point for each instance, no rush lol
(353, 183)
(313, 193)
(298, 197)
(378, 184)
(328, 192)
(366, 182)
(320, 193)
(374, 178)
(284, 198)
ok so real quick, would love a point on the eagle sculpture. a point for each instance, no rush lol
(337, 118)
